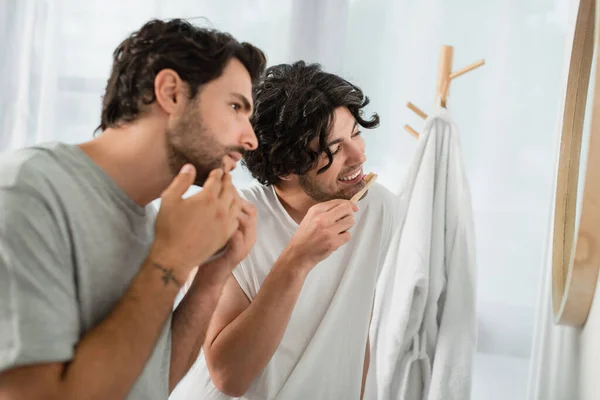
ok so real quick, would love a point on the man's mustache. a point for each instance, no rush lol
(236, 149)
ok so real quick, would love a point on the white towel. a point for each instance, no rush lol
(423, 334)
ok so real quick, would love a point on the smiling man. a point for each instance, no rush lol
(293, 319)
(88, 271)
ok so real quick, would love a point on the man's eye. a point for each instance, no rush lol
(337, 150)
(236, 106)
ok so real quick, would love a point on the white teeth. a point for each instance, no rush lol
(351, 177)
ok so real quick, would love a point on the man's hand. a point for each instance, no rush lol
(189, 321)
(322, 231)
(188, 231)
(243, 239)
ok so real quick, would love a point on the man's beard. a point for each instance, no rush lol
(312, 188)
(190, 142)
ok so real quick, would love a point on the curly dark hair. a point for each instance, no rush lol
(294, 104)
(197, 54)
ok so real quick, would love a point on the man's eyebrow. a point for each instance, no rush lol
(336, 141)
(244, 100)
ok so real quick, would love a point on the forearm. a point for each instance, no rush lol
(245, 346)
(191, 318)
(110, 358)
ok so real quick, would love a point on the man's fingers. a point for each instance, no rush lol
(235, 209)
(345, 237)
(226, 184)
(247, 213)
(182, 182)
(214, 181)
(344, 224)
(229, 194)
(245, 220)
(341, 211)
(235, 225)
(247, 207)
(212, 184)
(328, 205)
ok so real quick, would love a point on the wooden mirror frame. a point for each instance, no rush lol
(576, 259)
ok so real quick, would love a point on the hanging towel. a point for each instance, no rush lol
(423, 334)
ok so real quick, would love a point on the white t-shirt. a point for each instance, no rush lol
(322, 352)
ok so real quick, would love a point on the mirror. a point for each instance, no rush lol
(576, 240)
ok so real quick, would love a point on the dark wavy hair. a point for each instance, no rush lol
(293, 104)
(197, 54)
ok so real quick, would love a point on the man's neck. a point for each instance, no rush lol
(295, 201)
(134, 156)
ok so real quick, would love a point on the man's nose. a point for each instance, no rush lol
(249, 139)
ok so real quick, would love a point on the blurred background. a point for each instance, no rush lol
(55, 58)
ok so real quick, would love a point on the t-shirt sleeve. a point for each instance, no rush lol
(246, 278)
(38, 307)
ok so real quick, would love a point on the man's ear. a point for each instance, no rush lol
(169, 90)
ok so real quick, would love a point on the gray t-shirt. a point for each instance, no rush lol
(71, 241)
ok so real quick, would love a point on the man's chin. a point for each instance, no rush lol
(348, 193)
(202, 173)
(339, 196)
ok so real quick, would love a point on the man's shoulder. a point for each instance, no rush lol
(254, 190)
(382, 205)
(35, 176)
(257, 194)
(28, 168)
(379, 195)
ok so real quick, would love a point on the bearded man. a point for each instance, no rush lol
(88, 271)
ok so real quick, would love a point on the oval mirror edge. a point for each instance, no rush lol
(574, 290)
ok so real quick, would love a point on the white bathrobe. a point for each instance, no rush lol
(423, 333)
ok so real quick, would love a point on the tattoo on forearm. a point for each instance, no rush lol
(168, 275)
